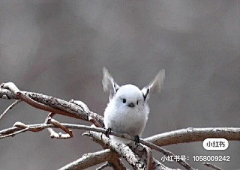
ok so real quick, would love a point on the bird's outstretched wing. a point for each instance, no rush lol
(109, 85)
(155, 86)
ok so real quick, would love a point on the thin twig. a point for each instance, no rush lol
(49, 120)
(212, 166)
(59, 125)
(88, 160)
(15, 133)
(50, 130)
(103, 166)
(9, 108)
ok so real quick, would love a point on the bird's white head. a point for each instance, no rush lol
(129, 97)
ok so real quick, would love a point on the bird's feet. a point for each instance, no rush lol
(136, 139)
(108, 132)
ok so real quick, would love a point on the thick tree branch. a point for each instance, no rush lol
(194, 135)
(120, 148)
(49, 103)
(140, 150)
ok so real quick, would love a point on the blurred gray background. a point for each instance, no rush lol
(60, 47)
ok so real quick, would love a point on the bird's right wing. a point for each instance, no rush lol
(155, 86)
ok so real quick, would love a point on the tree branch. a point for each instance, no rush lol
(49, 103)
(140, 150)
(120, 148)
(90, 159)
(227, 133)
(194, 135)
(9, 108)
(212, 166)
(80, 111)
(103, 166)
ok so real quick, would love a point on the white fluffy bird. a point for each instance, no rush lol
(127, 110)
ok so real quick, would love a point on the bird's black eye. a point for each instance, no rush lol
(137, 102)
(124, 100)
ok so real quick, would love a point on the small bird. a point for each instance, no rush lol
(127, 110)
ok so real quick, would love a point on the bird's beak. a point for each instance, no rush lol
(131, 105)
